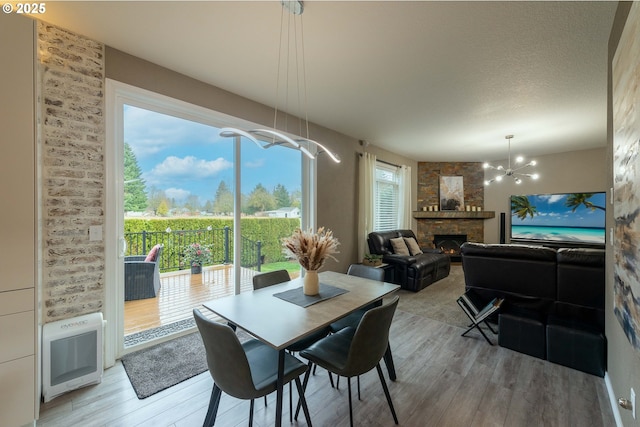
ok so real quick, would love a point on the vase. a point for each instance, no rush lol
(310, 285)
(196, 269)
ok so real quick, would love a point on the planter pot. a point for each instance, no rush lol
(372, 263)
(310, 284)
(196, 269)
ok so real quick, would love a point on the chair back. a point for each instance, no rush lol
(270, 278)
(226, 359)
(366, 271)
(371, 339)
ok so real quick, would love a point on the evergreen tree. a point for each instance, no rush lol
(135, 198)
(280, 193)
(223, 202)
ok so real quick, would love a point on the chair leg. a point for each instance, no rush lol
(251, 413)
(388, 360)
(331, 379)
(210, 418)
(304, 388)
(290, 403)
(338, 382)
(358, 379)
(350, 406)
(303, 402)
(386, 393)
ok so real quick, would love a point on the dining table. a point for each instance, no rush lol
(269, 315)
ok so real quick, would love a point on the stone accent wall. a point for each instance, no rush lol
(71, 139)
(428, 195)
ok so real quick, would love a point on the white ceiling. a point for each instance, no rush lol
(433, 81)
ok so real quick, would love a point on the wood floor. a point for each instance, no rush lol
(443, 380)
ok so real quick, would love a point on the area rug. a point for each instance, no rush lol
(438, 300)
(157, 368)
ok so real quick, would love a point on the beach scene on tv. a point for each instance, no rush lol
(568, 217)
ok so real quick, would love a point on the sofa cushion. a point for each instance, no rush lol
(399, 246)
(152, 255)
(413, 246)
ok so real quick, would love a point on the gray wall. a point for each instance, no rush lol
(337, 183)
(577, 171)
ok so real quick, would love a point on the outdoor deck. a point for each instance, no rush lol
(180, 293)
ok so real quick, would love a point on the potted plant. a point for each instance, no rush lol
(372, 260)
(197, 255)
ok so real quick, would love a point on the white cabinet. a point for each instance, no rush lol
(17, 222)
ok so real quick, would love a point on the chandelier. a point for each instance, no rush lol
(267, 138)
(513, 172)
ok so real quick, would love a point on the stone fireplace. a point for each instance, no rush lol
(450, 223)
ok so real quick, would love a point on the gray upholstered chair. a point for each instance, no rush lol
(351, 352)
(354, 318)
(244, 371)
(142, 276)
(367, 272)
(270, 278)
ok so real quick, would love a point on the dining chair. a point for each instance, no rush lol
(351, 352)
(271, 278)
(245, 371)
(354, 318)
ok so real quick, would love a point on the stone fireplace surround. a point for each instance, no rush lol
(470, 224)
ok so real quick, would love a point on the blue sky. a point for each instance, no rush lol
(183, 157)
(552, 211)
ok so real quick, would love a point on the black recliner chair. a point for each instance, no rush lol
(412, 272)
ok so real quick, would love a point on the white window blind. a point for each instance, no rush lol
(387, 193)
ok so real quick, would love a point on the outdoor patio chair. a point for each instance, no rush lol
(142, 275)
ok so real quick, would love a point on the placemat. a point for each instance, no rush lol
(297, 297)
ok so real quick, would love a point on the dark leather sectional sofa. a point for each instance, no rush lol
(554, 300)
(412, 272)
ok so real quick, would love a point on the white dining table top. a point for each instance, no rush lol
(280, 323)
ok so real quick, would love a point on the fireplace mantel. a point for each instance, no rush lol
(453, 214)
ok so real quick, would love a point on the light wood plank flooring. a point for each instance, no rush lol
(443, 380)
(179, 293)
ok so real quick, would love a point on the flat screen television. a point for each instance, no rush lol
(574, 218)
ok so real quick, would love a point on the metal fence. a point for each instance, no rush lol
(218, 240)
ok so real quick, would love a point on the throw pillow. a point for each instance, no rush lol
(399, 246)
(413, 246)
(153, 253)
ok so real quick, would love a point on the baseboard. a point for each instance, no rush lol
(613, 400)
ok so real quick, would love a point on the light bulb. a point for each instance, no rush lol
(519, 159)
(535, 176)
(499, 178)
(487, 182)
(518, 181)
(485, 166)
(533, 163)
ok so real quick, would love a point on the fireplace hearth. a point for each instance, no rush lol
(450, 244)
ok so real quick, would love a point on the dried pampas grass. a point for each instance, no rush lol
(311, 249)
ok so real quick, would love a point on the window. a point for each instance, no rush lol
(387, 197)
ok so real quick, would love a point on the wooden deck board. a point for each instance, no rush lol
(179, 294)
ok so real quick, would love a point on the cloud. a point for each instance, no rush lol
(258, 163)
(553, 198)
(149, 132)
(177, 193)
(175, 169)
